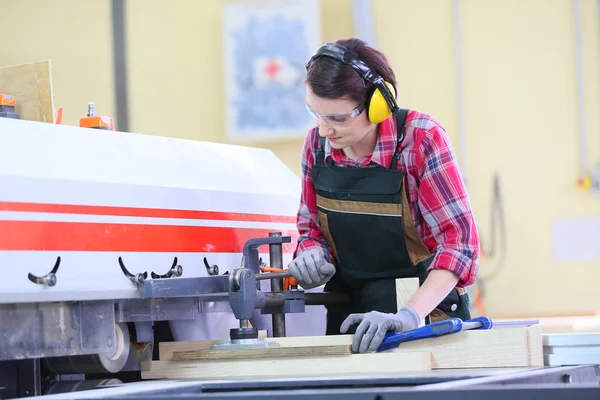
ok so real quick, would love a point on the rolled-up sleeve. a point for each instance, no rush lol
(445, 207)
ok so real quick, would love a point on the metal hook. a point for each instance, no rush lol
(212, 269)
(138, 279)
(47, 280)
(175, 270)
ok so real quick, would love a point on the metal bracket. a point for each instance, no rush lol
(243, 295)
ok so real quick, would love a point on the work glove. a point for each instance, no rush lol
(374, 325)
(311, 269)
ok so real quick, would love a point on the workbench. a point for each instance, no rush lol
(547, 383)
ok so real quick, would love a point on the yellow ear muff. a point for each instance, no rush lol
(379, 110)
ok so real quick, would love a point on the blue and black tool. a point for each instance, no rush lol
(393, 339)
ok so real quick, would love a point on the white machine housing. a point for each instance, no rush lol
(88, 197)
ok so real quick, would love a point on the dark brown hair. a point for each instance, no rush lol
(331, 79)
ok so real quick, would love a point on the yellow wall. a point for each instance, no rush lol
(519, 87)
(182, 63)
(523, 122)
(76, 37)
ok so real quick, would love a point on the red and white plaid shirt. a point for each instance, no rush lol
(438, 198)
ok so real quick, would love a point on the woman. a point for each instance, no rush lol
(382, 198)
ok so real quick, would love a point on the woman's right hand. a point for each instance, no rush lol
(311, 269)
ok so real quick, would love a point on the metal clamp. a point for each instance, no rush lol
(175, 270)
(49, 279)
(211, 269)
(250, 254)
(139, 278)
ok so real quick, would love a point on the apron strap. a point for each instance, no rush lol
(400, 116)
(321, 152)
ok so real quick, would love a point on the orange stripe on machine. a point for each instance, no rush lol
(92, 236)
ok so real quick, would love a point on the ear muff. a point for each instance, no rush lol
(381, 104)
(378, 109)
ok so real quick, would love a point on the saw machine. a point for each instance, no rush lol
(104, 236)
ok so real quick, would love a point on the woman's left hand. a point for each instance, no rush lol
(374, 325)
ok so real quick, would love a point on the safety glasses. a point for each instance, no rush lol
(337, 119)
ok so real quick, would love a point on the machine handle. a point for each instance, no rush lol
(288, 280)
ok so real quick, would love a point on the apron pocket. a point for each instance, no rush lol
(369, 246)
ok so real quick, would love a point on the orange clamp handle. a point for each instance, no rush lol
(287, 282)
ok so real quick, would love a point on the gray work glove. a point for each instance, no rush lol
(374, 325)
(311, 269)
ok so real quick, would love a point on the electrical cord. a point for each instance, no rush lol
(498, 231)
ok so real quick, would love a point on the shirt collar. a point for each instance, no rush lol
(382, 154)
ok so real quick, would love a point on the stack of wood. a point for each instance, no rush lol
(571, 348)
(293, 357)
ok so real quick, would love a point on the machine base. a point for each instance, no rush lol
(548, 383)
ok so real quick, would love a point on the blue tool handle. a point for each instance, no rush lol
(393, 339)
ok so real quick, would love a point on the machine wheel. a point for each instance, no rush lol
(94, 363)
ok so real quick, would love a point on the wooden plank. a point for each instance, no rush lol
(573, 351)
(571, 348)
(245, 354)
(167, 349)
(405, 290)
(506, 347)
(572, 339)
(31, 86)
(289, 367)
(557, 360)
(493, 348)
(535, 348)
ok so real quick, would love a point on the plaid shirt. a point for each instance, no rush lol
(438, 198)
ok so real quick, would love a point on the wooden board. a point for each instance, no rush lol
(31, 86)
(246, 354)
(405, 290)
(289, 367)
(503, 347)
(535, 346)
(571, 348)
(571, 339)
(166, 350)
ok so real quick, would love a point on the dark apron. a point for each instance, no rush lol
(365, 217)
